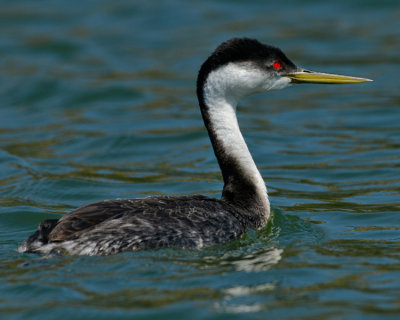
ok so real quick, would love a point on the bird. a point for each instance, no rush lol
(237, 68)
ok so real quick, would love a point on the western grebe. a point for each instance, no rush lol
(237, 68)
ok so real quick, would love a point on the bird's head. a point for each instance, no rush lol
(241, 66)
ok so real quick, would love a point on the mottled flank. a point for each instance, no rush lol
(114, 226)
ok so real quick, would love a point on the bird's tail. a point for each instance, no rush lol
(40, 238)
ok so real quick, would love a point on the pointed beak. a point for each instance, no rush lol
(307, 76)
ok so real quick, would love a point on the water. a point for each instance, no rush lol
(98, 101)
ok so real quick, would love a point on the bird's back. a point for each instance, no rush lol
(113, 226)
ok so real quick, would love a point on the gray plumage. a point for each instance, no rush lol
(120, 225)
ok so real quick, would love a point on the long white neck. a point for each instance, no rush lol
(243, 184)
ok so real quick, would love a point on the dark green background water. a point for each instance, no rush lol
(97, 101)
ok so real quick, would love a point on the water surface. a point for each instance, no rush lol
(97, 101)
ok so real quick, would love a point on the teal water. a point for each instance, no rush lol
(97, 101)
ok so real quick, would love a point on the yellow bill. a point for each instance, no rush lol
(306, 76)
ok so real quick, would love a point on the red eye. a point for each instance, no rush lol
(277, 65)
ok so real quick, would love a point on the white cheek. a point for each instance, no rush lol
(279, 83)
(234, 81)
